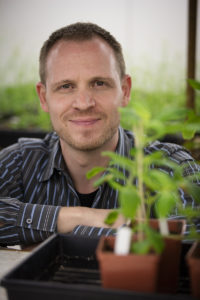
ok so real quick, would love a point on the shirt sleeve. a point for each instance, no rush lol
(92, 232)
(25, 223)
(21, 223)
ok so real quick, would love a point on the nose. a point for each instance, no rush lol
(83, 100)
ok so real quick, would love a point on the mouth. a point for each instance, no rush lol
(84, 122)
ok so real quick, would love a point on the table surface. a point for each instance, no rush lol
(8, 259)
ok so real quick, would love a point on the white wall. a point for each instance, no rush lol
(149, 30)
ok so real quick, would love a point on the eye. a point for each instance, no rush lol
(99, 83)
(66, 86)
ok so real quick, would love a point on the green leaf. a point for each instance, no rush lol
(157, 180)
(155, 239)
(116, 173)
(188, 133)
(193, 189)
(191, 125)
(194, 84)
(129, 201)
(111, 217)
(165, 203)
(118, 159)
(140, 247)
(152, 240)
(151, 180)
(115, 185)
(93, 172)
(102, 179)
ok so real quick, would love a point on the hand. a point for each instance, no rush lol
(70, 217)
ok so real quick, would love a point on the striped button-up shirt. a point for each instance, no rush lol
(35, 184)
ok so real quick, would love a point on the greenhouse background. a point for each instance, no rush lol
(153, 34)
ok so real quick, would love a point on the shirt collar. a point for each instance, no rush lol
(55, 160)
(125, 142)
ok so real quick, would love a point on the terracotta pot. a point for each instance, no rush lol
(193, 261)
(131, 272)
(169, 267)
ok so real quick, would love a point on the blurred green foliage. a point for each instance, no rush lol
(160, 99)
(20, 108)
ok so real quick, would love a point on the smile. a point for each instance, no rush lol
(85, 122)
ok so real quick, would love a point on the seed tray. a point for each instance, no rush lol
(65, 267)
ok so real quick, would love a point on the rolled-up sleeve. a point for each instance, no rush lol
(24, 223)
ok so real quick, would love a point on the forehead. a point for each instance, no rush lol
(76, 55)
(70, 47)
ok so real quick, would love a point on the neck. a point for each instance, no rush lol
(80, 162)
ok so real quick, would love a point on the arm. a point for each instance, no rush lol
(70, 217)
(22, 222)
(30, 223)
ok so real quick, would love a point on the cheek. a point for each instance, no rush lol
(58, 105)
(112, 99)
(117, 101)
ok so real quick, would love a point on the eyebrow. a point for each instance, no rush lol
(102, 78)
(59, 83)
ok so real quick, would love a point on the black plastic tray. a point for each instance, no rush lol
(65, 267)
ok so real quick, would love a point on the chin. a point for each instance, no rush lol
(86, 146)
(89, 141)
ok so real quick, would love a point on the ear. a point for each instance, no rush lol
(41, 91)
(126, 89)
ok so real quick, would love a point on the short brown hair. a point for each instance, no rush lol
(80, 32)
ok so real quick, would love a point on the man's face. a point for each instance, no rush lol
(83, 92)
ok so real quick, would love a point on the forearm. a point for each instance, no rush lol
(70, 217)
(24, 223)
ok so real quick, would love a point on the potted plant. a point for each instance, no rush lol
(193, 255)
(151, 183)
(193, 260)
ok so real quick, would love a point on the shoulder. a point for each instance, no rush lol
(126, 136)
(31, 145)
(125, 143)
(178, 154)
(175, 152)
(38, 145)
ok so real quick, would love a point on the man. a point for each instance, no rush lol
(43, 185)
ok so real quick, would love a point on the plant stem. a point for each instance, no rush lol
(140, 163)
(138, 133)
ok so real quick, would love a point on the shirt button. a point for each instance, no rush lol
(28, 221)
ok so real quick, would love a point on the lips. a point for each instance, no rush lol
(85, 122)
